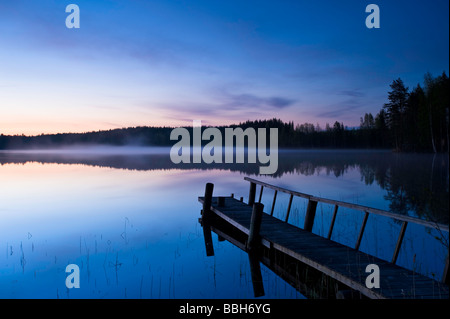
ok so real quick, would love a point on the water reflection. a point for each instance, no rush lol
(130, 221)
(415, 184)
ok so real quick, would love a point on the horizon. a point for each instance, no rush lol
(322, 129)
(167, 63)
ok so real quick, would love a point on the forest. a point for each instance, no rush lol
(415, 120)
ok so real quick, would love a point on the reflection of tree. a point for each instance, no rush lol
(367, 174)
(396, 195)
(416, 183)
(421, 186)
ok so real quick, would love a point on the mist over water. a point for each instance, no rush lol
(129, 218)
(93, 150)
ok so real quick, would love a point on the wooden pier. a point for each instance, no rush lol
(345, 265)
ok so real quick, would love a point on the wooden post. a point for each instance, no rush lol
(332, 221)
(208, 198)
(289, 208)
(310, 214)
(361, 232)
(255, 226)
(205, 219)
(399, 242)
(221, 201)
(260, 194)
(252, 194)
(273, 203)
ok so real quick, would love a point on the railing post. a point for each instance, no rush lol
(273, 203)
(361, 231)
(310, 214)
(289, 208)
(255, 226)
(399, 242)
(260, 194)
(252, 194)
(333, 220)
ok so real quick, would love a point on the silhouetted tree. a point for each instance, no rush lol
(395, 110)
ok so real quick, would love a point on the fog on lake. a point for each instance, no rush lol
(129, 218)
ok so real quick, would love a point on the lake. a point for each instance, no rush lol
(129, 218)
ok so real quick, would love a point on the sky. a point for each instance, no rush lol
(167, 63)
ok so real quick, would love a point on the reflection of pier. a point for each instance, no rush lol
(316, 266)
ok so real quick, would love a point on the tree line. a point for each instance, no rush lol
(289, 136)
(416, 120)
(411, 121)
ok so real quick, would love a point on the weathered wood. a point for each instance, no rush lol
(273, 203)
(399, 242)
(260, 194)
(361, 231)
(289, 208)
(310, 214)
(340, 262)
(281, 189)
(333, 219)
(252, 194)
(255, 226)
(357, 207)
(209, 188)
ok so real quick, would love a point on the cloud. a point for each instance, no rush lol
(341, 109)
(246, 101)
(223, 108)
(351, 93)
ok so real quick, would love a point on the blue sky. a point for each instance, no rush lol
(169, 62)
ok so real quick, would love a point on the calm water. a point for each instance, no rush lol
(130, 222)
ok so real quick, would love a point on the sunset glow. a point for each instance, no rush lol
(156, 63)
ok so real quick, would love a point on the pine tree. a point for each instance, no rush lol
(395, 110)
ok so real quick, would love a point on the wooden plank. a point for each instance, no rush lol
(345, 264)
(280, 189)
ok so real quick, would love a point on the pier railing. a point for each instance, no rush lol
(311, 211)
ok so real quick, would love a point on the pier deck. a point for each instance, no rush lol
(342, 263)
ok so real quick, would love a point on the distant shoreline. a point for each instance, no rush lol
(296, 138)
